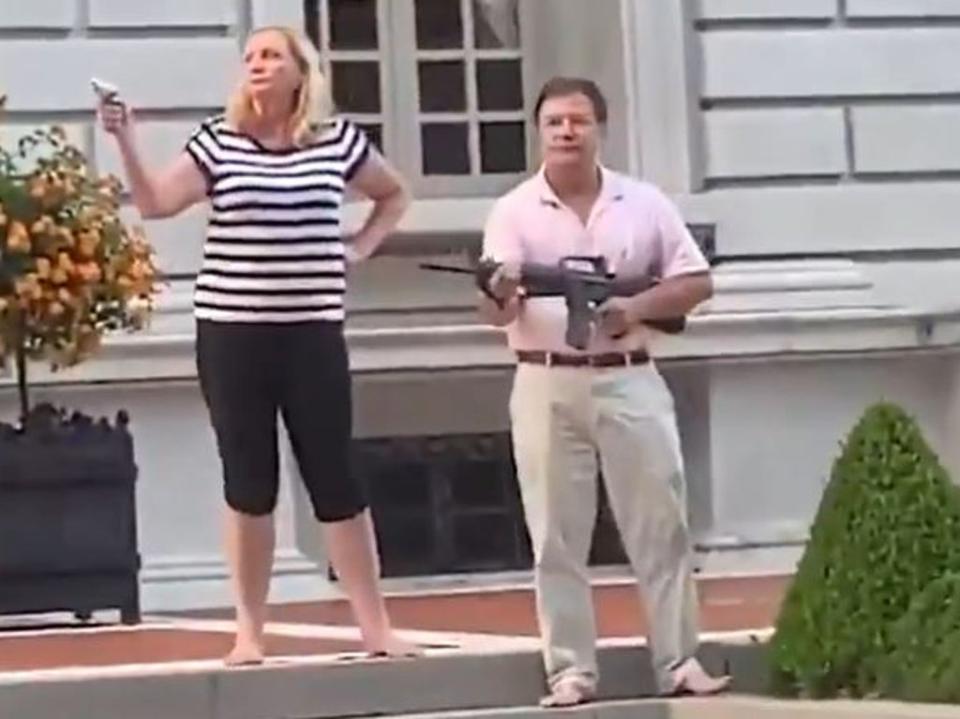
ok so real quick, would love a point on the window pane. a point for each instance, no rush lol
(311, 11)
(445, 148)
(353, 24)
(374, 132)
(356, 86)
(439, 24)
(499, 85)
(495, 24)
(442, 87)
(502, 147)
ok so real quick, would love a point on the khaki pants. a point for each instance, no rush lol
(565, 420)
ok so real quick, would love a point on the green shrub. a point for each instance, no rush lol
(924, 664)
(886, 527)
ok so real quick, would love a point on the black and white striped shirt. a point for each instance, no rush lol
(274, 252)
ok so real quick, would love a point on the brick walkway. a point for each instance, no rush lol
(468, 621)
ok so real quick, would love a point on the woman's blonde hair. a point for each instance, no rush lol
(313, 105)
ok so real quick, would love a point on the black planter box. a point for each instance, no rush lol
(68, 536)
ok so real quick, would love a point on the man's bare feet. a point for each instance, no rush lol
(244, 654)
(691, 679)
(570, 691)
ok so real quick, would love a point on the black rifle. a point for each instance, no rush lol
(583, 282)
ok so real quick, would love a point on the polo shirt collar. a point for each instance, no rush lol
(611, 188)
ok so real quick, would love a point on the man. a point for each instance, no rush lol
(606, 407)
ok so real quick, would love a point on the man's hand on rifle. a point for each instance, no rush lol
(617, 315)
(505, 281)
(500, 302)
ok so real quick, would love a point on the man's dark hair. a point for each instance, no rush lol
(564, 86)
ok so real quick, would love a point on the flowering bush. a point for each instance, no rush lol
(70, 268)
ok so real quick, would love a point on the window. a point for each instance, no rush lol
(438, 85)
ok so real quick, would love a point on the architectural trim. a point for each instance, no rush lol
(277, 12)
(666, 78)
(727, 337)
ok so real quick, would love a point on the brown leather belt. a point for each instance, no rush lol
(607, 359)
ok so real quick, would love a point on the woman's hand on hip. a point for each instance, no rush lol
(352, 253)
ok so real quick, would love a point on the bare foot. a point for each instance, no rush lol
(691, 679)
(244, 654)
(392, 646)
(570, 691)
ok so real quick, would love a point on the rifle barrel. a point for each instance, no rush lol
(447, 268)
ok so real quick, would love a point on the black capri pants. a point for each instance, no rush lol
(251, 371)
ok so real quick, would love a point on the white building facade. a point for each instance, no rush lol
(816, 136)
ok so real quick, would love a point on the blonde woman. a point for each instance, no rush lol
(269, 309)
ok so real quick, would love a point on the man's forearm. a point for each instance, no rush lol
(674, 297)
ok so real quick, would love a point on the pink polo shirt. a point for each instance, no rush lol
(632, 224)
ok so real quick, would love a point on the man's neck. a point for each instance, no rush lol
(574, 182)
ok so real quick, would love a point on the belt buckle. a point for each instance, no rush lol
(548, 359)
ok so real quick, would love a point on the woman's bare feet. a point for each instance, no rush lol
(249, 542)
(352, 548)
(390, 645)
(245, 653)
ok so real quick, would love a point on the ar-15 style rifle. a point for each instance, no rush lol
(583, 282)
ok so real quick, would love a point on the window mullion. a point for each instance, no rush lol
(323, 39)
(402, 99)
(473, 103)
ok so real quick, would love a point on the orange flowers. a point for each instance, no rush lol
(87, 243)
(27, 288)
(73, 269)
(18, 239)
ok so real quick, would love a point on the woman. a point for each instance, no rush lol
(269, 309)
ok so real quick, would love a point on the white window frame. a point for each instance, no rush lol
(647, 64)
(400, 115)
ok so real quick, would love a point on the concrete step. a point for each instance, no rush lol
(726, 707)
(317, 687)
(443, 685)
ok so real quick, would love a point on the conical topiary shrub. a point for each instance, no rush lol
(886, 527)
(924, 664)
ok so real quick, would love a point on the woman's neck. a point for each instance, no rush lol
(270, 123)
